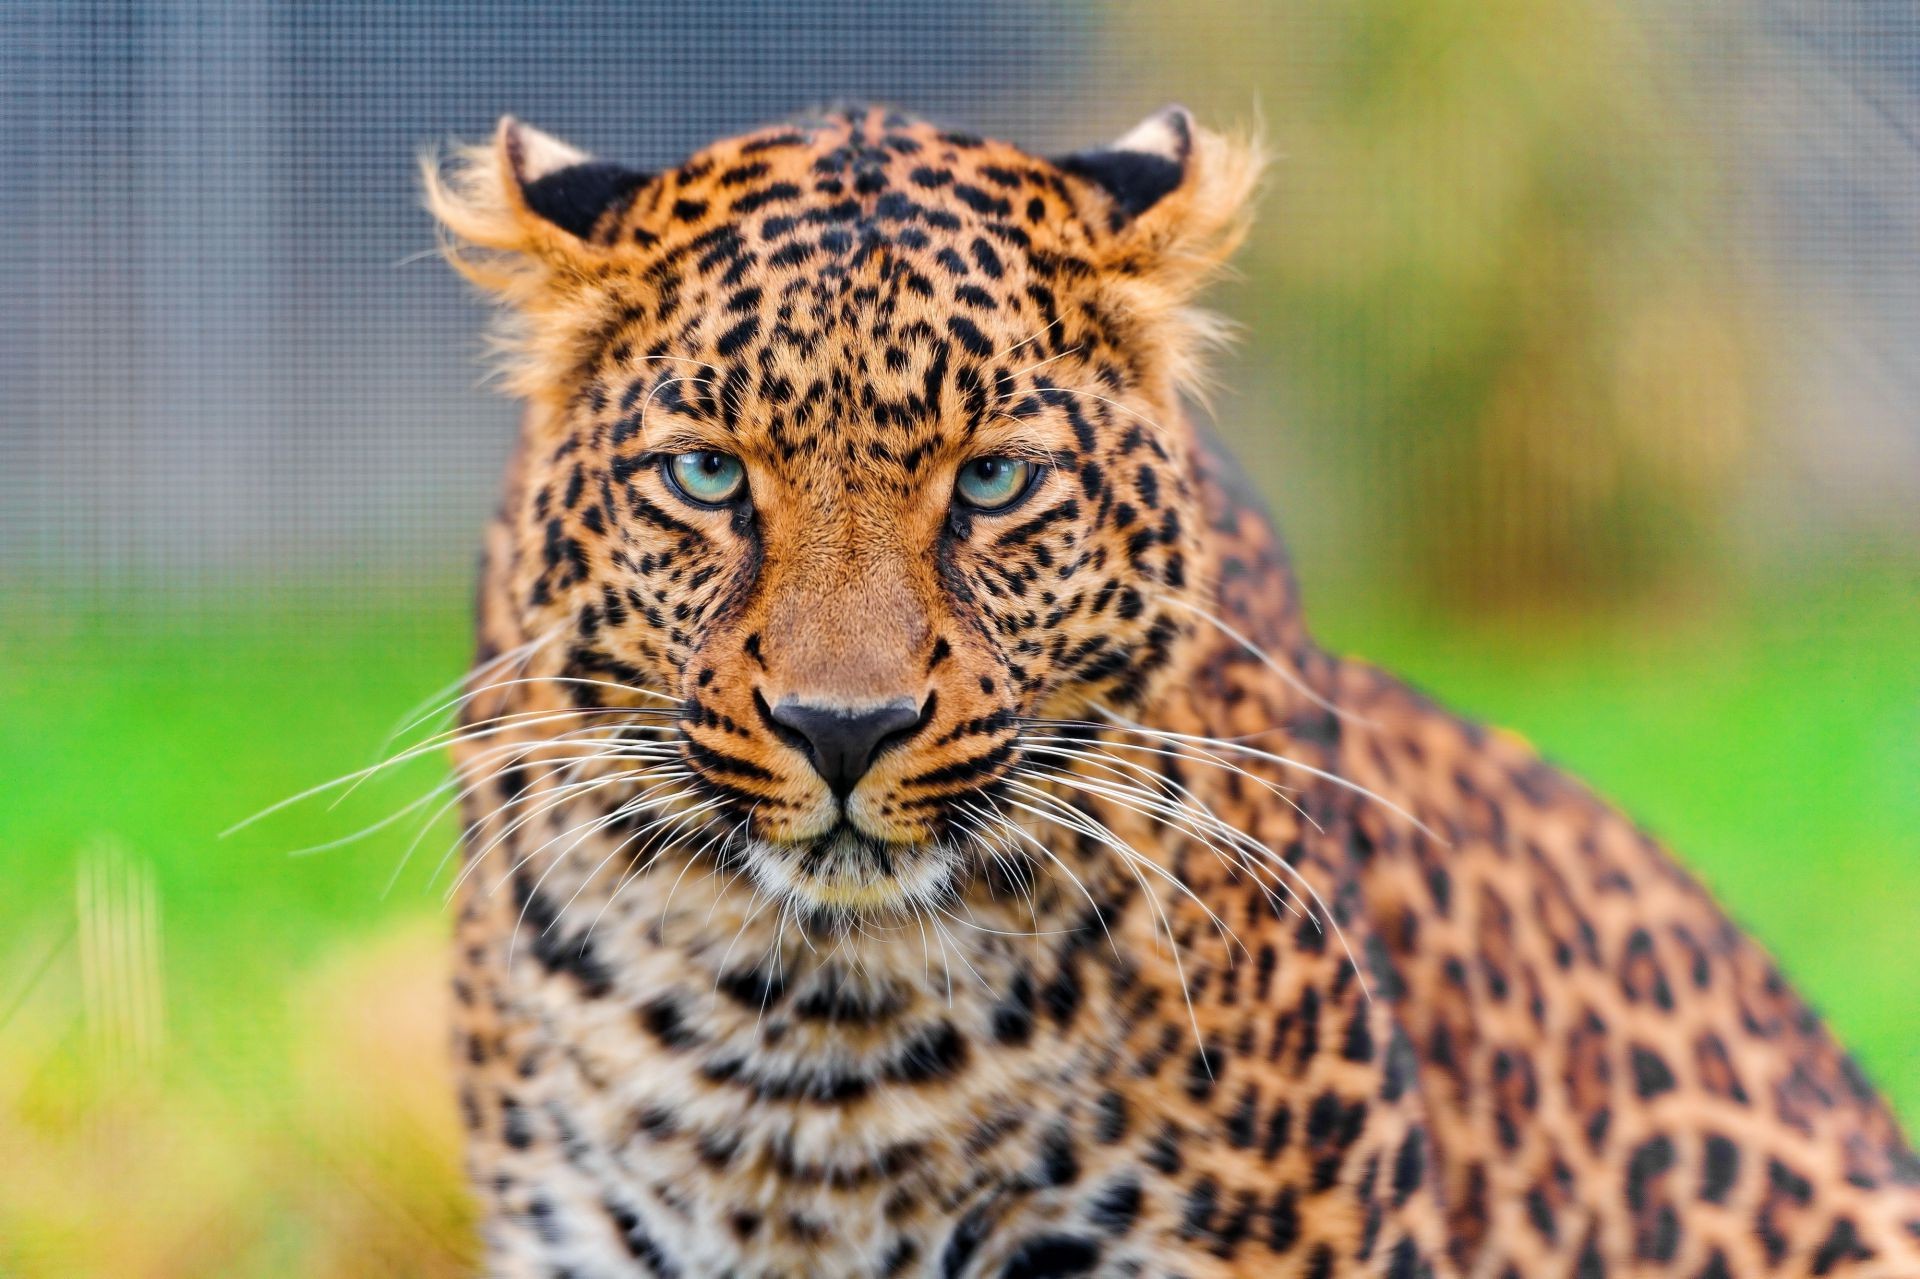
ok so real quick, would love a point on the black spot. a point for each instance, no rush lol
(738, 336)
(1204, 1068)
(516, 1129)
(1651, 1076)
(899, 1257)
(744, 173)
(1720, 1169)
(1540, 1213)
(1134, 179)
(1283, 1222)
(1059, 1166)
(1114, 1209)
(934, 1053)
(1842, 1244)
(1062, 995)
(1590, 1266)
(774, 141)
(574, 198)
(558, 951)
(1202, 1201)
(640, 1245)
(1052, 1257)
(770, 194)
(1788, 1182)
(756, 988)
(1409, 1165)
(1013, 1016)
(1240, 1122)
(1279, 1128)
(1649, 1159)
(968, 335)
(982, 201)
(1163, 1152)
(1109, 1118)
(666, 1022)
(1359, 1045)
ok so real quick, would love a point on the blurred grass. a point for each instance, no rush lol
(296, 1120)
(298, 1116)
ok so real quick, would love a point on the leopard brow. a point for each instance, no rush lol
(1019, 442)
(688, 439)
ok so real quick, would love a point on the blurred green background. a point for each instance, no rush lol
(1577, 360)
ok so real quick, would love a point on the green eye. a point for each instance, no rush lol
(994, 483)
(706, 477)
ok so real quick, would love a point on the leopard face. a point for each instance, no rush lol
(846, 436)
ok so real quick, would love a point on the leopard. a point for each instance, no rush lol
(911, 830)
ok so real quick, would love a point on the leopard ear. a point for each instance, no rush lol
(527, 192)
(531, 221)
(1178, 197)
(561, 184)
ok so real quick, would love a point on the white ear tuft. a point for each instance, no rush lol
(533, 154)
(1165, 135)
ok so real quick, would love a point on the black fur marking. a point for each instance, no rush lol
(574, 198)
(1136, 181)
(1052, 1257)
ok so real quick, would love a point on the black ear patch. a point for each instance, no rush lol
(1141, 168)
(1135, 179)
(575, 198)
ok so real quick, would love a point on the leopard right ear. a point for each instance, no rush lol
(528, 193)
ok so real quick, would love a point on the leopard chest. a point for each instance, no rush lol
(672, 1066)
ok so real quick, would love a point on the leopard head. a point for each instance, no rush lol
(861, 439)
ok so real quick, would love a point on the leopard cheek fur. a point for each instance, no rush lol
(1150, 939)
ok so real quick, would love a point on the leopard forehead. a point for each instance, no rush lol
(834, 183)
(863, 282)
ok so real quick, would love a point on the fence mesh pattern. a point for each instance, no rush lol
(229, 364)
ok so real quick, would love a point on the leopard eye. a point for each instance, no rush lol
(994, 483)
(706, 478)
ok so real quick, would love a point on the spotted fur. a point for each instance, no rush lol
(1161, 942)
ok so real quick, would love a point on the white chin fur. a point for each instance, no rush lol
(847, 879)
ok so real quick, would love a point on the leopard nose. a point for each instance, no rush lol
(842, 742)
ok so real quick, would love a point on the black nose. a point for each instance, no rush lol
(842, 743)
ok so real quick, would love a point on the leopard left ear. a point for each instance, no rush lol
(561, 184)
(529, 198)
(1178, 196)
(1144, 165)
(532, 221)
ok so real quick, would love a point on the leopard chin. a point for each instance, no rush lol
(848, 872)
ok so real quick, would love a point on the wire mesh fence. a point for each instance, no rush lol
(1554, 296)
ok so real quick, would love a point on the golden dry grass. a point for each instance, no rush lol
(161, 1162)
